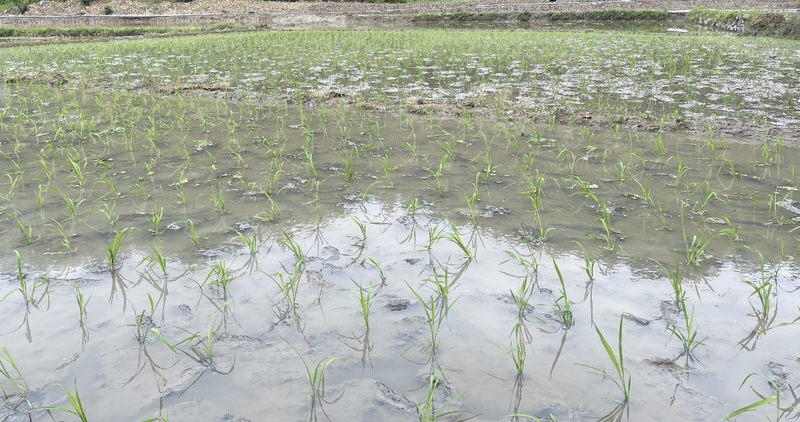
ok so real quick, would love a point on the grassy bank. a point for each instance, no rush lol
(110, 32)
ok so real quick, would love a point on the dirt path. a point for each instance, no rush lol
(127, 7)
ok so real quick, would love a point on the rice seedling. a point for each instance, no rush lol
(12, 378)
(316, 381)
(109, 212)
(561, 308)
(192, 232)
(202, 351)
(364, 296)
(694, 248)
(288, 286)
(767, 400)
(528, 261)
(76, 406)
(64, 241)
(294, 247)
(388, 169)
(428, 411)
(25, 230)
(434, 317)
(455, 238)
(77, 165)
(81, 301)
(522, 296)
(114, 247)
(139, 189)
(220, 277)
(218, 199)
(251, 242)
(623, 377)
(157, 258)
(360, 242)
(381, 274)
(438, 175)
(349, 164)
(155, 220)
(687, 334)
(72, 206)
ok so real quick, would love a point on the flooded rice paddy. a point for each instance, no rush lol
(176, 257)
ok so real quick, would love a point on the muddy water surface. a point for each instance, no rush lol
(434, 223)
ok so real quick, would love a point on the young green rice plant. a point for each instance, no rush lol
(534, 192)
(218, 199)
(64, 241)
(26, 230)
(139, 189)
(364, 296)
(589, 263)
(659, 145)
(72, 206)
(763, 292)
(288, 286)
(251, 242)
(438, 175)
(202, 351)
(359, 242)
(77, 168)
(523, 294)
(687, 334)
(33, 291)
(46, 168)
(116, 244)
(316, 382)
(677, 287)
(294, 247)
(470, 200)
(308, 154)
(82, 302)
(429, 411)
(455, 237)
(12, 185)
(111, 186)
(528, 261)
(12, 378)
(435, 315)
(561, 308)
(694, 248)
(381, 274)
(220, 277)
(765, 400)
(604, 232)
(157, 258)
(623, 380)
(76, 406)
(730, 231)
(109, 213)
(349, 164)
(192, 231)
(40, 192)
(388, 169)
(155, 220)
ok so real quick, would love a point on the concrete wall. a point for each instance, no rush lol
(107, 21)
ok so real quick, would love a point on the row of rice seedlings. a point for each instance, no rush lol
(499, 59)
(534, 183)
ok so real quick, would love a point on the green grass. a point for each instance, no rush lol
(460, 16)
(610, 15)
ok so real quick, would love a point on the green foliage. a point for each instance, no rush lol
(460, 16)
(609, 15)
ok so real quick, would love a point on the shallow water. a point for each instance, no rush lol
(632, 200)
